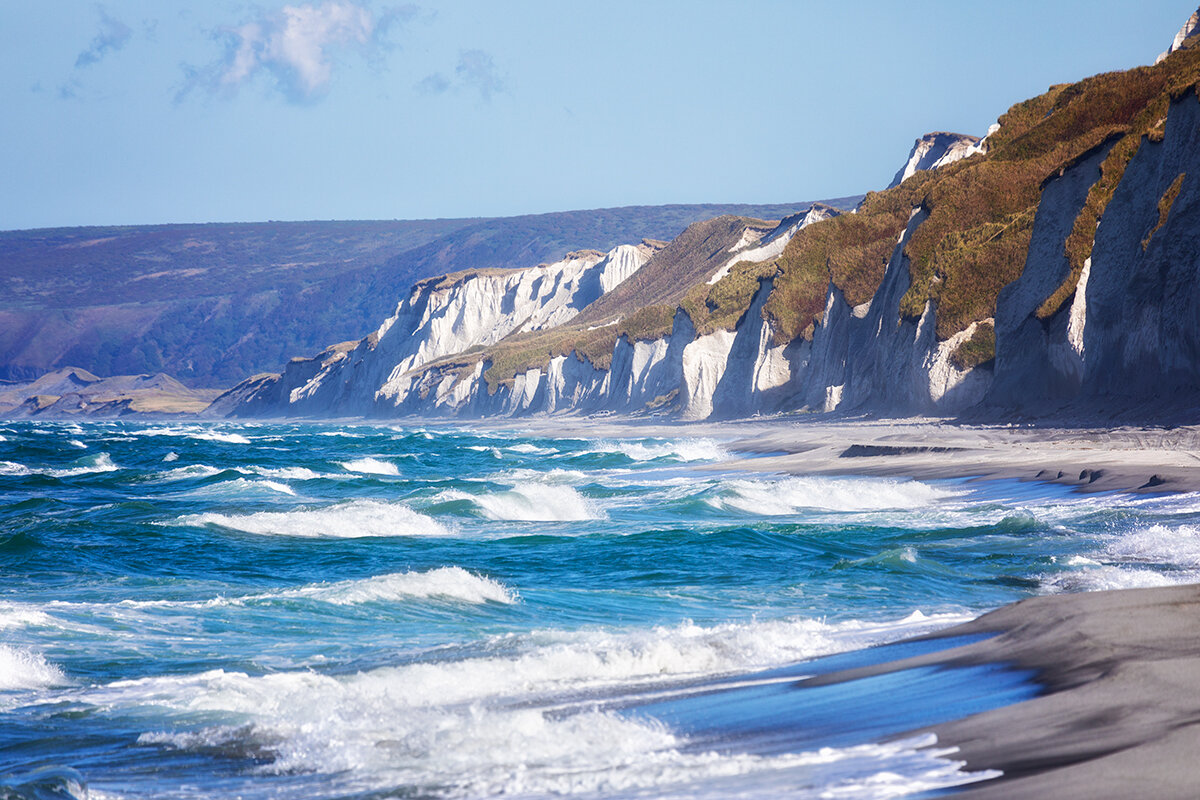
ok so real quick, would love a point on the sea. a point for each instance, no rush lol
(444, 611)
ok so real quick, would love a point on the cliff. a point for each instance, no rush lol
(1051, 265)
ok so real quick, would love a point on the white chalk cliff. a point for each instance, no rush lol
(1128, 333)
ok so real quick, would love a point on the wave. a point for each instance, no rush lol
(790, 495)
(530, 502)
(195, 432)
(354, 519)
(23, 669)
(675, 449)
(531, 449)
(101, 462)
(15, 615)
(514, 723)
(370, 466)
(1158, 544)
(443, 583)
(1158, 555)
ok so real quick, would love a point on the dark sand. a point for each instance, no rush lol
(1100, 459)
(1120, 712)
(1119, 716)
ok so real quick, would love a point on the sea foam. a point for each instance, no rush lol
(353, 519)
(445, 583)
(789, 495)
(512, 724)
(370, 466)
(531, 502)
(23, 669)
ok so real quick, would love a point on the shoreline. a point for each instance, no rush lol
(1090, 459)
(1119, 715)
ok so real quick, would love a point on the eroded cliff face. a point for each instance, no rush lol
(1126, 336)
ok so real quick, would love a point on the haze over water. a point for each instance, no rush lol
(318, 611)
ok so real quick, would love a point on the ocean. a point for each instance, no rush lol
(376, 611)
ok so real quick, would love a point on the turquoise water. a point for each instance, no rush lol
(319, 611)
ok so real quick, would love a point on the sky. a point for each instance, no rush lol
(164, 111)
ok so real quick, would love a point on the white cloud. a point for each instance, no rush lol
(295, 45)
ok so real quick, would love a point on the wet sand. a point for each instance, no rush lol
(1101, 459)
(1119, 716)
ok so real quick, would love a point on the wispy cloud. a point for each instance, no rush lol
(114, 34)
(476, 70)
(296, 46)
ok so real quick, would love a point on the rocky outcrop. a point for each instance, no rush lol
(935, 150)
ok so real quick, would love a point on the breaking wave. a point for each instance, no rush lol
(510, 723)
(444, 583)
(530, 502)
(370, 466)
(676, 450)
(353, 519)
(22, 669)
(789, 495)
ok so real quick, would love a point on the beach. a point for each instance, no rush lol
(1120, 712)
(591, 607)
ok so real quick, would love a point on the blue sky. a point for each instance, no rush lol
(148, 111)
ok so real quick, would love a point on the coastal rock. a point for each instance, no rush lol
(935, 150)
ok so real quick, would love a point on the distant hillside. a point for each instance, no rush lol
(212, 303)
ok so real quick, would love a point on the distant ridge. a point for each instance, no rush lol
(212, 303)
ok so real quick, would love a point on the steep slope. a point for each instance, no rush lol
(215, 302)
(1053, 263)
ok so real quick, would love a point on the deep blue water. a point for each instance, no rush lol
(319, 611)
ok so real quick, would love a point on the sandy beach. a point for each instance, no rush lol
(1093, 459)
(1119, 716)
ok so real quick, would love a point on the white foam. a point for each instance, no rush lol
(185, 473)
(195, 432)
(1158, 544)
(291, 473)
(101, 462)
(77, 443)
(19, 615)
(13, 468)
(532, 502)
(171, 456)
(444, 583)
(789, 495)
(676, 449)
(370, 466)
(531, 449)
(23, 669)
(1105, 577)
(511, 724)
(354, 519)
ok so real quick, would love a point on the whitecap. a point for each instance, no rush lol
(171, 456)
(77, 443)
(370, 466)
(790, 495)
(531, 502)
(444, 583)
(354, 519)
(189, 472)
(101, 462)
(24, 669)
(675, 449)
(513, 724)
(1158, 544)
(13, 468)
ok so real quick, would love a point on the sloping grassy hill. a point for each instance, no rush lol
(213, 303)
